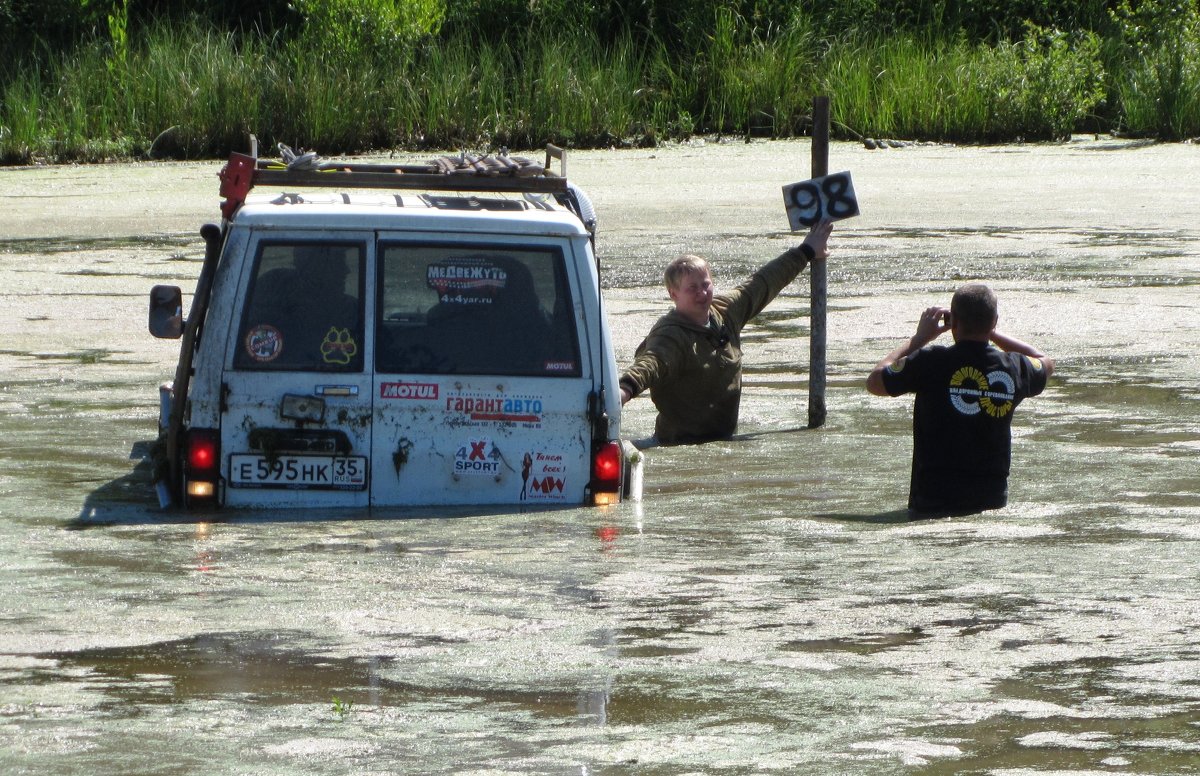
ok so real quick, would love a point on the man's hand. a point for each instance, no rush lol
(818, 239)
(935, 322)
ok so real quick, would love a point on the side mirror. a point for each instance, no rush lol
(166, 312)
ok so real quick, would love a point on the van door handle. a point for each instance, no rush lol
(336, 390)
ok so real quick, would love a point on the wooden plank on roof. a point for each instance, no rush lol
(389, 178)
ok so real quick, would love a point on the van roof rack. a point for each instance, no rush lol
(463, 172)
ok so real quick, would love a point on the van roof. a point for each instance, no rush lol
(371, 211)
(467, 175)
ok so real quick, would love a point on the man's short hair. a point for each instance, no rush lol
(681, 267)
(975, 309)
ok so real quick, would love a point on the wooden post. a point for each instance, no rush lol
(816, 274)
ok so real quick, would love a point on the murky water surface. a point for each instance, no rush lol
(767, 609)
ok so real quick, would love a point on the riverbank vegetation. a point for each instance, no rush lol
(87, 80)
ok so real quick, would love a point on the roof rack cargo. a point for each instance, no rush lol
(464, 172)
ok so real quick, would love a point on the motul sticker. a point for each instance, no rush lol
(408, 390)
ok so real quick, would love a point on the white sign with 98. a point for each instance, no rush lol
(819, 199)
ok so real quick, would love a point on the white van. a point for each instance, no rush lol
(390, 336)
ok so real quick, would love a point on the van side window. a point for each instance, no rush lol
(475, 309)
(304, 309)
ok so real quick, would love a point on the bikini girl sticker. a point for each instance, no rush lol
(543, 476)
(338, 347)
(526, 467)
(264, 343)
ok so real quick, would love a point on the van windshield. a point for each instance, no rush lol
(304, 309)
(475, 309)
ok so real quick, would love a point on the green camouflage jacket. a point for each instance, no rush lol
(694, 373)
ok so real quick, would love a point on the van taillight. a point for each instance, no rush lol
(202, 454)
(606, 473)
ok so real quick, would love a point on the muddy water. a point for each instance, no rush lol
(767, 609)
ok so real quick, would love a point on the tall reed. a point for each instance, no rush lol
(581, 91)
(1159, 78)
(748, 81)
(459, 94)
(211, 88)
(208, 85)
(1161, 96)
(950, 89)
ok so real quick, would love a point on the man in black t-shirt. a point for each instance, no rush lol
(965, 398)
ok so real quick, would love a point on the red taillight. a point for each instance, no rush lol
(606, 468)
(203, 452)
(202, 466)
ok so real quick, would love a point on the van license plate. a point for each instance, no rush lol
(319, 472)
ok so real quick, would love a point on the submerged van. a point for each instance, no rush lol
(390, 336)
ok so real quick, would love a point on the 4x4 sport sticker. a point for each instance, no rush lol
(477, 456)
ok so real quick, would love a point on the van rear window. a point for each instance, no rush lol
(475, 309)
(304, 310)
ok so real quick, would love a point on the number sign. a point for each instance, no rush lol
(811, 201)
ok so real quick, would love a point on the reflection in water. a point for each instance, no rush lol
(205, 557)
(1079, 714)
(263, 669)
(592, 706)
(607, 534)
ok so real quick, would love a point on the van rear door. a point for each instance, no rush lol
(296, 428)
(480, 388)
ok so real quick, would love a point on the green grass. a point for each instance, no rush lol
(1160, 91)
(904, 87)
(213, 88)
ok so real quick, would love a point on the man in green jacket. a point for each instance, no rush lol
(691, 361)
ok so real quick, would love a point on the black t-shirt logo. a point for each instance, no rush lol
(971, 392)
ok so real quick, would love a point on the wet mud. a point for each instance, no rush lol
(769, 607)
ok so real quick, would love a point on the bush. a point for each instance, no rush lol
(1051, 80)
(1159, 85)
(341, 31)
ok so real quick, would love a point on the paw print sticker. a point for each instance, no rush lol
(338, 346)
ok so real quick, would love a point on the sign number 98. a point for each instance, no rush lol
(829, 198)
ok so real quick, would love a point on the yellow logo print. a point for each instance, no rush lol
(969, 373)
(993, 409)
(339, 346)
(971, 392)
